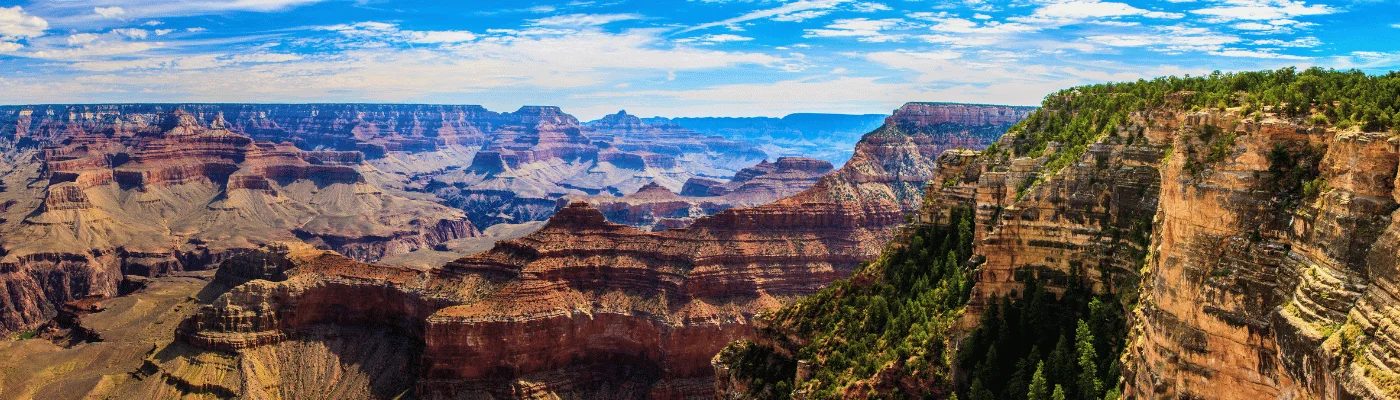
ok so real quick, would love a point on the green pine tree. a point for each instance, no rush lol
(1089, 384)
(1059, 393)
(1038, 389)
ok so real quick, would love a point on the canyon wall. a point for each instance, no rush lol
(1242, 295)
(588, 307)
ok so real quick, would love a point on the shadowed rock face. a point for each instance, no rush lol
(116, 191)
(588, 306)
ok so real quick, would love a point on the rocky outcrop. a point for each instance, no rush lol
(1239, 298)
(588, 306)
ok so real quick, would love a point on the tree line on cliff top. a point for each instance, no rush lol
(1079, 116)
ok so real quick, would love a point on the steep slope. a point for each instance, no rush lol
(1254, 209)
(587, 307)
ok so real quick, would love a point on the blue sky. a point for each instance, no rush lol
(657, 57)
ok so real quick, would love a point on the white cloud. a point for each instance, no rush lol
(162, 32)
(1070, 11)
(379, 72)
(865, 30)
(1255, 10)
(10, 47)
(581, 20)
(109, 12)
(132, 33)
(719, 38)
(440, 36)
(1299, 42)
(161, 8)
(16, 23)
(794, 11)
(82, 39)
(869, 7)
(383, 31)
(1258, 53)
(802, 15)
(264, 58)
(1169, 39)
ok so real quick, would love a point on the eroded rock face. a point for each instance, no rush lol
(1241, 296)
(588, 306)
(117, 193)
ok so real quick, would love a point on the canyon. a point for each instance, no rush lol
(94, 194)
(580, 307)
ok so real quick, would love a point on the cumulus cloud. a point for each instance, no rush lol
(109, 12)
(15, 23)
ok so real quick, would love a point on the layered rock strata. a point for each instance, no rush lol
(588, 306)
(1242, 295)
(148, 195)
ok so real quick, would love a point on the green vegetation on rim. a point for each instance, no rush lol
(1077, 117)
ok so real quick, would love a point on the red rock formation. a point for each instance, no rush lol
(150, 194)
(583, 293)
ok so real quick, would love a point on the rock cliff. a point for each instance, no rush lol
(589, 307)
(1252, 243)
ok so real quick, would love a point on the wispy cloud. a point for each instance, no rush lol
(1258, 10)
(581, 20)
(794, 11)
(865, 30)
